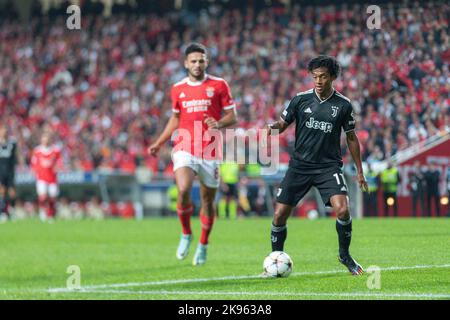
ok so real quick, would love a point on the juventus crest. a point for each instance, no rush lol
(335, 111)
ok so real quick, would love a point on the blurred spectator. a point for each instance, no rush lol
(104, 90)
(243, 197)
(228, 204)
(172, 197)
(448, 191)
(20, 211)
(63, 209)
(371, 197)
(94, 209)
(258, 202)
(390, 178)
(418, 186)
(432, 180)
(77, 210)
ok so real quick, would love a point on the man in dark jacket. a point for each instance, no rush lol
(418, 185)
(432, 179)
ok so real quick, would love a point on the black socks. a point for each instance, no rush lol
(344, 231)
(278, 236)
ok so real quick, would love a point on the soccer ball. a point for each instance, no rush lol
(278, 264)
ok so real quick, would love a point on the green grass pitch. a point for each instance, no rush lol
(120, 259)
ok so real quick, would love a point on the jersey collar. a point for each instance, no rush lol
(322, 101)
(197, 83)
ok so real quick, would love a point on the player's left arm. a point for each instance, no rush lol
(229, 118)
(355, 151)
(349, 125)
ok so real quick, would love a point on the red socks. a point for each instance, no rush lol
(48, 205)
(51, 208)
(207, 223)
(184, 214)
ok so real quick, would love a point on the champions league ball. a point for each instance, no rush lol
(278, 264)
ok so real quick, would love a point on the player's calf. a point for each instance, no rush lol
(344, 231)
(278, 237)
(184, 215)
(279, 228)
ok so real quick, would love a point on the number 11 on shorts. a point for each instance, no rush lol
(336, 175)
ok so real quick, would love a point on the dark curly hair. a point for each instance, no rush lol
(195, 47)
(324, 61)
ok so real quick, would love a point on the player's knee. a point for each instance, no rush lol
(184, 193)
(280, 217)
(342, 212)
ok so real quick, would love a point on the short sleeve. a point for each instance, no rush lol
(226, 98)
(349, 119)
(175, 102)
(289, 114)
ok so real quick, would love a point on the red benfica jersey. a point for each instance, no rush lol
(44, 161)
(194, 101)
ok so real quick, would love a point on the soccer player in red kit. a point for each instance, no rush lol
(200, 103)
(43, 162)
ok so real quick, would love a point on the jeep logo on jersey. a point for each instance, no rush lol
(210, 92)
(319, 125)
(335, 111)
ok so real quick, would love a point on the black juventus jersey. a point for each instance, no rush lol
(318, 129)
(8, 157)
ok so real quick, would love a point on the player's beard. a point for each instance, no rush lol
(197, 75)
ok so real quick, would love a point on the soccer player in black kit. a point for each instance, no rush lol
(319, 115)
(8, 159)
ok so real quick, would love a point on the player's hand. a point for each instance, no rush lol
(211, 122)
(362, 182)
(154, 149)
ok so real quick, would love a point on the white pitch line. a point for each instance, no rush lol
(197, 280)
(265, 293)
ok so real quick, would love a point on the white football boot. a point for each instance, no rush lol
(183, 246)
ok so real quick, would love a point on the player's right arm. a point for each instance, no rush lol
(171, 126)
(280, 125)
(287, 117)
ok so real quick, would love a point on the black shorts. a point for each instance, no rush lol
(295, 185)
(7, 179)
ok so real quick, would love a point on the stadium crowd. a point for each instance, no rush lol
(104, 90)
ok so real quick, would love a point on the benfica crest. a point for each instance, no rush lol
(210, 92)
